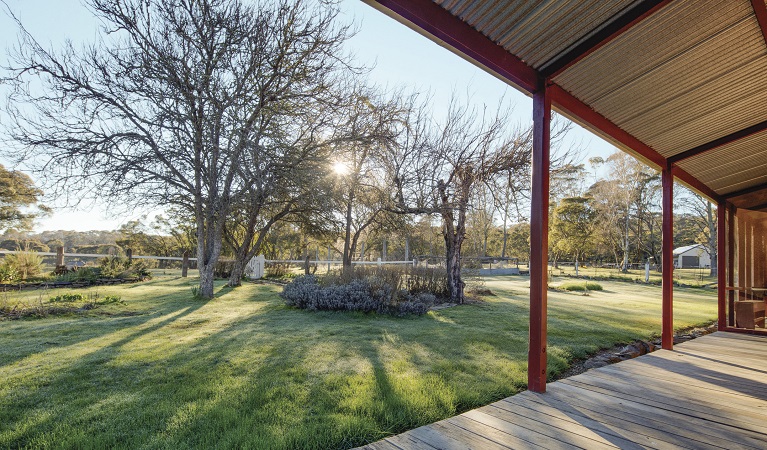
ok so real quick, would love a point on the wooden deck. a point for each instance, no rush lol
(708, 393)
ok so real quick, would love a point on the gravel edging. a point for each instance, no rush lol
(623, 352)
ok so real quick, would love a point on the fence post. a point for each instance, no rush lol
(185, 265)
(60, 257)
(379, 262)
(407, 249)
(328, 258)
(129, 254)
(306, 265)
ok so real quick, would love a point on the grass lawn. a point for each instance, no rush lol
(688, 277)
(163, 370)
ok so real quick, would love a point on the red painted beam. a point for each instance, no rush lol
(721, 263)
(539, 240)
(695, 184)
(567, 102)
(760, 10)
(426, 16)
(749, 190)
(667, 331)
(614, 28)
(718, 142)
(576, 109)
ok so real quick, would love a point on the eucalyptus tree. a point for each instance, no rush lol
(169, 103)
(19, 201)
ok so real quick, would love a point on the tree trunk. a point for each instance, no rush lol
(206, 280)
(625, 267)
(576, 264)
(238, 269)
(454, 281)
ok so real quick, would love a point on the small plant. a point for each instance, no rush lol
(69, 298)
(109, 299)
(196, 292)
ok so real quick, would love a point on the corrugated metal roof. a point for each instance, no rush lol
(732, 167)
(690, 73)
(682, 77)
(535, 31)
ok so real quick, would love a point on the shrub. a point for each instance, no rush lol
(580, 287)
(83, 274)
(373, 293)
(123, 268)
(8, 274)
(593, 286)
(277, 270)
(223, 269)
(26, 264)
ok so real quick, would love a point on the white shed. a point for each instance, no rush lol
(692, 257)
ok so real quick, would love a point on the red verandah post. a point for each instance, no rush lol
(539, 239)
(721, 262)
(667, 333)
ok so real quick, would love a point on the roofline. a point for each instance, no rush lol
(439, 25)
(730, 138)
(611, 30)
(447, 30)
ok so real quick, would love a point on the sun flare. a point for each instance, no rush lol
(340, 168)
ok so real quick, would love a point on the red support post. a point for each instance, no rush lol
(539, 239)
(667, 333)
(721, 263)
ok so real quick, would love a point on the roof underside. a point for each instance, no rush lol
(682, 76)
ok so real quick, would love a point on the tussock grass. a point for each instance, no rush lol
(162, 370)
(580, 286)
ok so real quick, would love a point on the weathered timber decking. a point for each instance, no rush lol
(708, 393)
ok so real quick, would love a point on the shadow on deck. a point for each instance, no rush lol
(710, 392)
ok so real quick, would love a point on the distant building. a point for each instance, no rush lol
(692, 257)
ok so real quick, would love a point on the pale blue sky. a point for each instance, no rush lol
(401, 57)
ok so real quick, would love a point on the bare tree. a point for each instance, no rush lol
(170, 103)
(441, 165)
(362, 184)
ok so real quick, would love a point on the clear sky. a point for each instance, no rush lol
(400, 57)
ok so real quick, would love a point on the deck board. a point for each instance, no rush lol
(709, 393)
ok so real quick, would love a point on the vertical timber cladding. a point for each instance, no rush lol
(539, 229)
(731, 249)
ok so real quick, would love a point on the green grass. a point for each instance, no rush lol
(688, 277)
(162, 370)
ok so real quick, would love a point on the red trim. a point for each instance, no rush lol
(745, 331)
(760, 10)
(612, 30)
(566, 101)
(721, 261)
(539, 241)
(425, 15)
(667, 332)
(695, 184)
(759, 127)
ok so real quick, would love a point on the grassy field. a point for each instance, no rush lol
(163, 370)
(689, 277)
